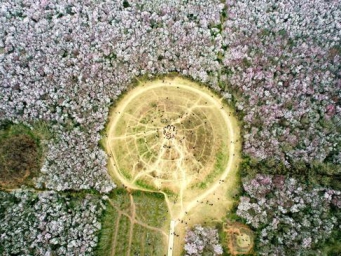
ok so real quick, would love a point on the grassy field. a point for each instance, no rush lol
(132, 224)
(155, 212)
(122, 240)
(106, 235)
(137, 134)
(219, 167)
(146, 242)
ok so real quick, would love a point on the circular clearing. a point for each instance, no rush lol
(169, 136)
(19, 159)
(240, 238)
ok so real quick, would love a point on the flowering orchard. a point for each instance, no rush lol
(290, 217)
(202, 240)
(284, 57)
(47, 222)
(66, 62)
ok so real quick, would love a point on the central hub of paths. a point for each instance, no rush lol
(178, 138)
(169, 132)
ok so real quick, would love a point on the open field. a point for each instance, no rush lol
(166, 135)
(177, 139)
(134, 224)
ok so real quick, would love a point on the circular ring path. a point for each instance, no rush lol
(169, 137)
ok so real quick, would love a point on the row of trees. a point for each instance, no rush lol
(314, 173)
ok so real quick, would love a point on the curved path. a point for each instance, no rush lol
(187, 200)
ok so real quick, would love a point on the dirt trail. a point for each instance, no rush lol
(132, 218)
(113, 248)
(187, 199)
(171, 238)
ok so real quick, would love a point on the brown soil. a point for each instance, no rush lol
(240, 238)
(19, 159)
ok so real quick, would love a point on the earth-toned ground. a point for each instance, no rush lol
(168, 137)
(20, 156)
(178, 138)
(240, 238)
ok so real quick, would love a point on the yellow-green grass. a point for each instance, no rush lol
(137, 139)
(117, 220)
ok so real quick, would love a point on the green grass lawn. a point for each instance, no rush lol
(106, 234)
(151, 210)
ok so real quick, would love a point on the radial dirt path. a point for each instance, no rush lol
(191, 205)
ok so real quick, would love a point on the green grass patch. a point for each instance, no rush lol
(121, 199)
(148, 154)
(219, 167)
(143, 184)
(120, 128)
(151, 208)
(222, 238)
(138, 129)
(168, 192)
(142, 146)
(144, 120)
(138, 245)
(39, 131)
(122, 241)
(153, 104)
(125, 174)
(106, 234)
(146, 242)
